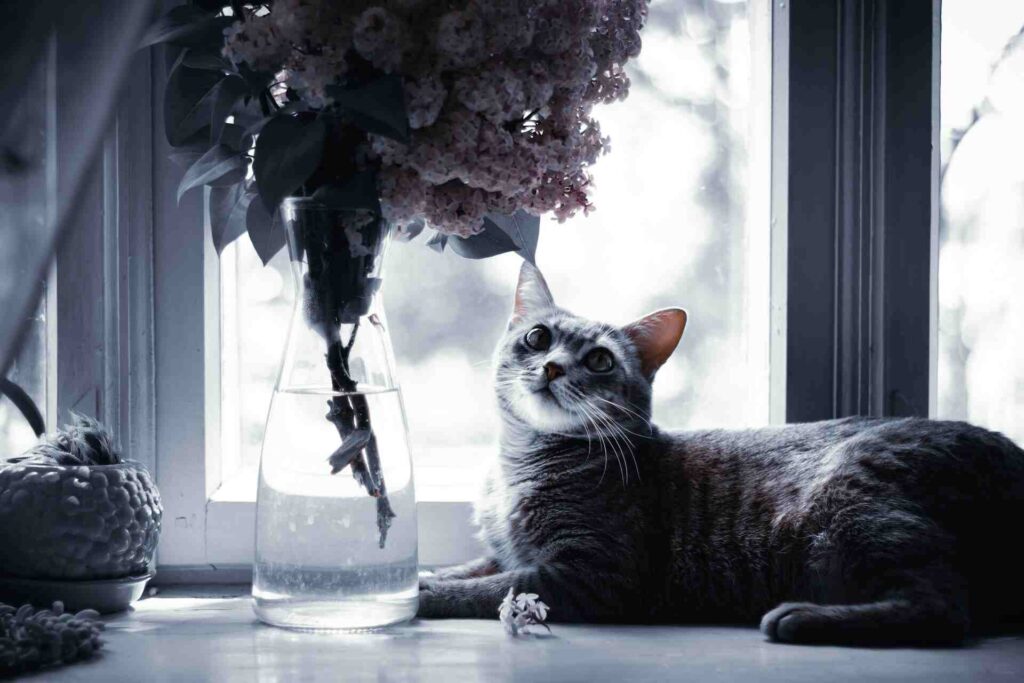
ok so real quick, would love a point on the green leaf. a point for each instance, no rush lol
(224, 97)
(221, 163)
(288, 151)
(234, 137)
(187, 25)
(212, 6)
(257, 80)
(204, 58)
(228, 208)
(491, 241)
(184, 158)
(188, 101)
(359, 191)
(522, 228)
(264, 232)
(438, 242)
(197, 142)
(256, 126)
(377, 106)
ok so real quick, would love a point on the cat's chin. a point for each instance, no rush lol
(543, 412)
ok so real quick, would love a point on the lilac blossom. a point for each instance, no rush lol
(499, 95)
(517, 613)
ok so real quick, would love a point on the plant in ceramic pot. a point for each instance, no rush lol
(366, 120)
(73, 509)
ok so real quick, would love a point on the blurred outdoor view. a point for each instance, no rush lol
(981, 258)
(681, 220)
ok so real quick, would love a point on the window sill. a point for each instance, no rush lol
(209, 634)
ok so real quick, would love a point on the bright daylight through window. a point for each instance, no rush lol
(981, 312)
(680, 219)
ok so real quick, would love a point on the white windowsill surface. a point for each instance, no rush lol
(195, 635)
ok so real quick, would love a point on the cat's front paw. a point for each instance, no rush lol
(792, 622)
(433, 599)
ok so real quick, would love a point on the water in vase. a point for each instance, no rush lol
(319, 560)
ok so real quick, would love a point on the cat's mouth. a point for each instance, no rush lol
(543, 408)
(548, 397)
(546, 394)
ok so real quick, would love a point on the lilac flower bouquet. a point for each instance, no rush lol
(444, 112)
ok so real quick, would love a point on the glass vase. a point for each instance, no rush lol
(335, 509)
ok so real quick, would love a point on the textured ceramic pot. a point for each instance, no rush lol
(78, 522)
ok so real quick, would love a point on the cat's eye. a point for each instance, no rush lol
(539, 338)
(599, 360)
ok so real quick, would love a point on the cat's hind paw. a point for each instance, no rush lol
(886, 622)
(794, 622)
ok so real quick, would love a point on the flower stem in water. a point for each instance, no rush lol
(349, 412)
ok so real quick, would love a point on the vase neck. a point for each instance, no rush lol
(337, 258)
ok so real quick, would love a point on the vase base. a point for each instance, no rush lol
(351, 615)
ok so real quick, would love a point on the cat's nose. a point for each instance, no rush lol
(553, 371)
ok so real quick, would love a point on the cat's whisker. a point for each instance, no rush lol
(574, 407)
(583, 406)
(621, 446)
(618, 426)
(585, 413)
(601, 437)
(625, 410)
(614, 441)
(584, 425)
(629, 445)
(621, 440)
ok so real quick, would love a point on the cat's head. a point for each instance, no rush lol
(560, 373)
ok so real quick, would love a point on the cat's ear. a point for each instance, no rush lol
(656, 336)
(532, 294)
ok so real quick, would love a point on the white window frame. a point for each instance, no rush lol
(148, 360)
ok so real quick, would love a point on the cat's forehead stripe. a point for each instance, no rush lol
(578, 332)
(574, 327)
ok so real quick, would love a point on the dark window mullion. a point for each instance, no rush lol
(860, 207)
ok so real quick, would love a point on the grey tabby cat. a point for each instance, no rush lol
(847, 531)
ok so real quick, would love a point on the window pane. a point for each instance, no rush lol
(981, 311)
(256, 304)
(680, 220)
